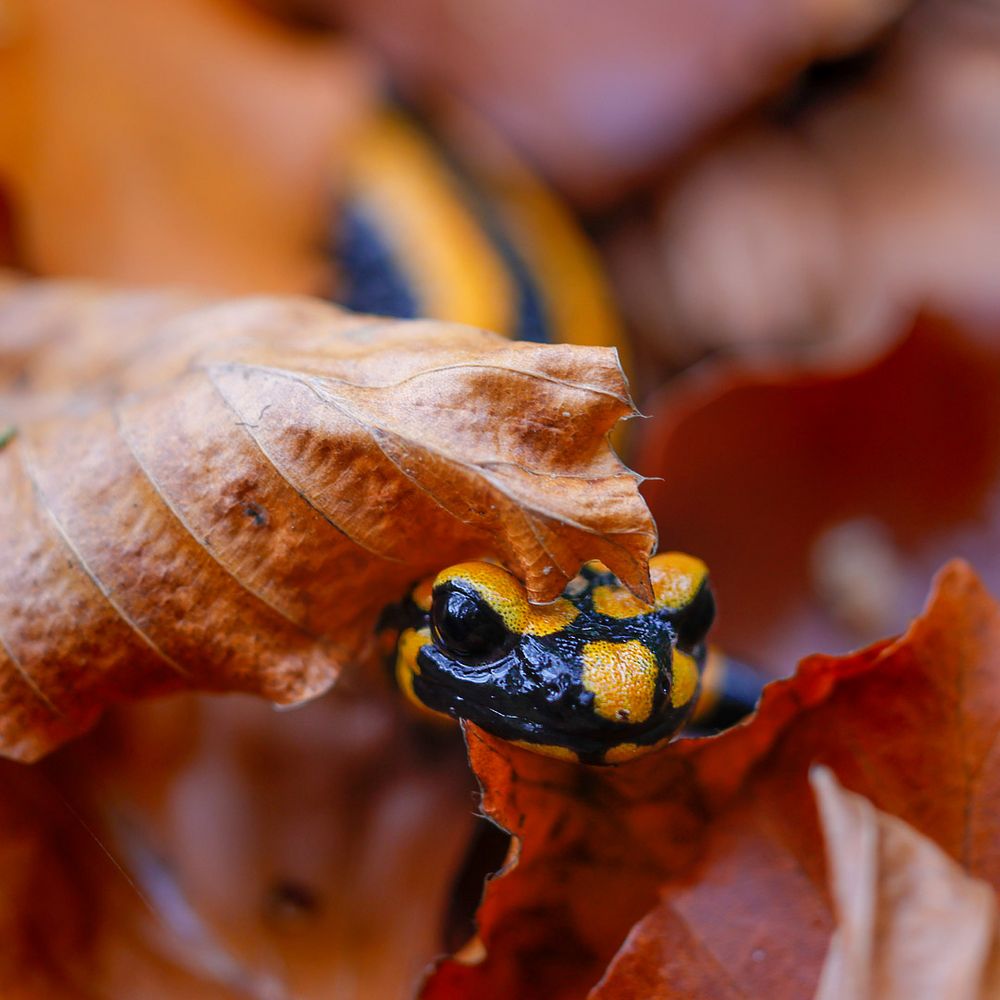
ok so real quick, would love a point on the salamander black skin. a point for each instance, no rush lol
(597, 676)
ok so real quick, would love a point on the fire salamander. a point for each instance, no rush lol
(597, 676)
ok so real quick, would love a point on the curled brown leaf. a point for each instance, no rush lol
(228, 505)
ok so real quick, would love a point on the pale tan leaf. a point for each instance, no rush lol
(911, 923)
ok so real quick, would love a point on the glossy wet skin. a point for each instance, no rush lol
(595, 676)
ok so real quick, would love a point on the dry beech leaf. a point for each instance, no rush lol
(73, 345)
(234, 516)
(910, 923)
(702, 866)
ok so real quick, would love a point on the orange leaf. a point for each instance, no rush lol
(911, 924)
(191, 141)
(717, 842)
(237, 520)
(214, 849)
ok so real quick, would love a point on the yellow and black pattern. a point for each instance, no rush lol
(596, 676)
(422, 233)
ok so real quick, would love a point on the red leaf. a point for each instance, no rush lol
(771, 474)
(717, 840)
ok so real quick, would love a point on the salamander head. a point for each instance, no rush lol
(596, 676)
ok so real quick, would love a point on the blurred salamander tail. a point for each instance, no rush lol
(729, 692)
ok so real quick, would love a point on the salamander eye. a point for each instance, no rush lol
(466, 627)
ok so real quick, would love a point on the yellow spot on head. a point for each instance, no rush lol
(617, 602)
(676, 579)
(548, 750)
(544, 619)
(501, 590)
(504, 593)
(411, 640)
(629, 751)
(622, 678)
(684, 682)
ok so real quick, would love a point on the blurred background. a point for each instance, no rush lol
(786, 217)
